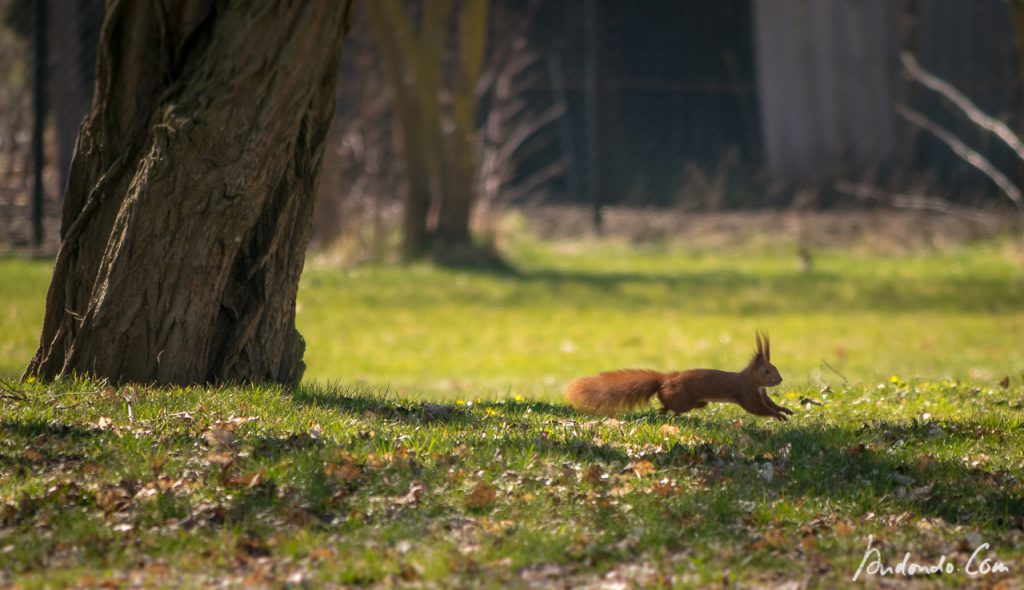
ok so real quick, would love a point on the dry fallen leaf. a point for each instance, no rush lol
(857, 449)
(482, 496)
(220, 457)
(410, 497)
(643, 468)
(219, 437)
(842, 528)
(233, 422)
(776, 539)
(111, 498)
(669, 430)
(594, 474)
(922, 493)
(90, 468)
(347, 472)
(621, 490)
(33, 455)
(248, 480)
(665, 487)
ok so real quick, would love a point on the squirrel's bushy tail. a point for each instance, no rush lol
(614, 391)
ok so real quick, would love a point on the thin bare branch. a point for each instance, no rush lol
(528, 129)
(969, 155)
(534, 182)
(903, 201)
(970, 110)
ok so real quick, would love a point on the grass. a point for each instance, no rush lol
(246, 484)
(573, 311)
(429, 445)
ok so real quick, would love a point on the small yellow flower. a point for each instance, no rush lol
(517, 398)
(894, 379)
(492, 412)
(460, 402)
(31, 379)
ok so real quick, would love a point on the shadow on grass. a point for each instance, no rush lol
(393, 408)
(724, 291)
(884, 467)
(863, 468)
(858, 466)
(814, 291)
(424, 413)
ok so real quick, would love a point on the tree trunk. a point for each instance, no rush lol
(453, 237)
(190, 194)
(460, 190)
(412, 57)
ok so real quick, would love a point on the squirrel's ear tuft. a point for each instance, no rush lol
(763, 348)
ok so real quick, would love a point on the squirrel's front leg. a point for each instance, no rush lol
(771, 403)
(756, 405)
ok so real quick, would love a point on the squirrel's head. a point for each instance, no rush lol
(761, 367)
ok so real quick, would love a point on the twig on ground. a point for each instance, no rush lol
(128, 404)
(831, 368)
(11, 393)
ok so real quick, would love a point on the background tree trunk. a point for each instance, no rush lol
(439, 163)
(190, 194)
(460, 189)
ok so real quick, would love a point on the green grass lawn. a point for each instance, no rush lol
(574, 310)
(470, 471)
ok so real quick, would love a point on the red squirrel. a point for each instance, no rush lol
(678, 392)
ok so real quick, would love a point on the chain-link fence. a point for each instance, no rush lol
(696, 105)
(47, 55)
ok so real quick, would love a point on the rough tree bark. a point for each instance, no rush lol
(190, 194)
